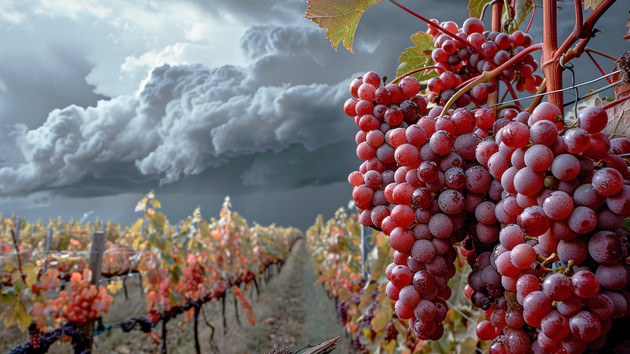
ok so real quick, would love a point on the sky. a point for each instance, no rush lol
(104, 101)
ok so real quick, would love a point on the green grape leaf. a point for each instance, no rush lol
(591, 4)
(522, 8)
(476, 6)
(418, 56)
(339, 17)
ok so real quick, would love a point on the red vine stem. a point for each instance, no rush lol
(483, 9)
(489, 75)
(457, 38)
(579, 18)
(591, 50)
(497, 9)
(551, 67)
(599, 67)
(531, 19)
(616, 102)
(585, 33)
(412, 72)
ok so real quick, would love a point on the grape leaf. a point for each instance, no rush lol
(339, 17)
(618, 120)
(114, 286)
(522, 8)
(591, 4)
(136, 226)
(623, 89)
(476, 6)
(418, 56)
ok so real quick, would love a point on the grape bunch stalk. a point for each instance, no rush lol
(462, 53)
(535, 204)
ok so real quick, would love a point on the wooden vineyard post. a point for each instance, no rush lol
(96, 262)
(96, 255)
(47, 248)
(366, 247)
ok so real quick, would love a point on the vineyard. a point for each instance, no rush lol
(51, 291)
(489, 214)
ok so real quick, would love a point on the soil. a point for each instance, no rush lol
(291, 311)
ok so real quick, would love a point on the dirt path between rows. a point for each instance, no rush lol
(291, 312)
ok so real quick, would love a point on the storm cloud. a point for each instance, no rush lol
(189, 118)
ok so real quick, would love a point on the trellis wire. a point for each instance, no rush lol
(566, 89)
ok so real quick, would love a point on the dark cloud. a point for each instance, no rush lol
(188, 119)
(33, 85)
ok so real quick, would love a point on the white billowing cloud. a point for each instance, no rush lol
(72, 8)
(186, 119)
(116, 34)
(9, 14)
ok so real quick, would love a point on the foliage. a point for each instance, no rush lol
(183, 265)
(339, 18)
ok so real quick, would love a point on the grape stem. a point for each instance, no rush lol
(591, 50)
(616, 102)
(531, 19)
(488, 75)
(598, 67)
(411, 73)
(457, 38)
(549, 259)
(539, 96)
(569, 266)
(497, 9)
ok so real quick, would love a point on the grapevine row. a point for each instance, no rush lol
(182, 267)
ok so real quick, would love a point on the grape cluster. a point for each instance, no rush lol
(473, 52)
(538, 208)
(563, 203)
(35, 336)
(85, 302)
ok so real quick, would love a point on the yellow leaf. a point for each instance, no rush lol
(381, 320)
(9, 265)
(389, 345)
(136, 227)
(156, 203)
(339, 17)
(29, 268)
(591, 4)
(114, 286)
(17, 315)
